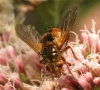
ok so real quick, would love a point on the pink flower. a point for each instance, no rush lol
(84, 69)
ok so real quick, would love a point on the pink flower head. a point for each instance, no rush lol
(84, 65)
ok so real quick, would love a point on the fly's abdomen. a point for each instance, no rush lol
(52, 59)
(49, 54)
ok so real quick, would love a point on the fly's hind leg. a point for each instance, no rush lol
(67, 65)
(68, 47)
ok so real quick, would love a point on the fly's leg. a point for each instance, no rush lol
(43, 75)
(67, 67)
(63, 50)
(68, 47)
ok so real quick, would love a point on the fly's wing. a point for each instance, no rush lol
(66, 23)
(30, 36)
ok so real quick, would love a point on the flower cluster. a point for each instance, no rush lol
(83, 68)
(17, 67)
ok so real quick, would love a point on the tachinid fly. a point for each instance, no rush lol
(52, 43)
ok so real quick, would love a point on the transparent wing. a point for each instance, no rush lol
(66, 23)
(30, 36)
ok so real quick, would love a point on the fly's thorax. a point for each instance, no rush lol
(54, 35)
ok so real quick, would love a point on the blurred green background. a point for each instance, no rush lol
(48, 13)
(44, 14)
